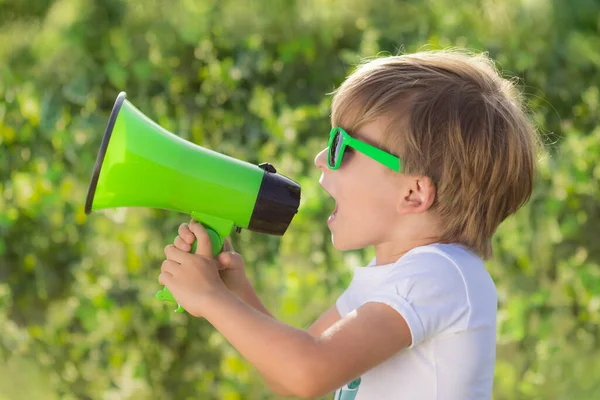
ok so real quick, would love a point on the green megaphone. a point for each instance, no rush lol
(140, 164)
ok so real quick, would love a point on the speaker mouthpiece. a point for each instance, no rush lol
(277, 203)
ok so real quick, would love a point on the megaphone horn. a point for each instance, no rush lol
(141, 164)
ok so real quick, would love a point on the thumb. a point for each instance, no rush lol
(230, 260)
(227, 246)
(204, 246)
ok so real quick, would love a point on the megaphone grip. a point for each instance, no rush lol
(217, 244)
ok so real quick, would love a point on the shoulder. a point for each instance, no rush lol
(450, 264)
(454, 254)
(446, 281)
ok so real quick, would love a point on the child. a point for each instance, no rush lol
(428, 154)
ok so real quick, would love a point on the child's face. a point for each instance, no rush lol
(366, 195)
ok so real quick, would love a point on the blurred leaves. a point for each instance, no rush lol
(250, 79)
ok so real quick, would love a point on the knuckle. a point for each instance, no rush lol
(182, 245)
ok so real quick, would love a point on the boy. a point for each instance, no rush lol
(429, 153)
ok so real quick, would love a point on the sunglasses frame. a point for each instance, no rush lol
(377, 154)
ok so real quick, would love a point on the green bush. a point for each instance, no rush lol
(250, 79)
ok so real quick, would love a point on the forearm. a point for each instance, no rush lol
(280, 352)
(247, 294)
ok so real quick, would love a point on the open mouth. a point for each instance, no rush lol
(332, 200)
(333, 214)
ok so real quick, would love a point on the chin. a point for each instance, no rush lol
(345, 244)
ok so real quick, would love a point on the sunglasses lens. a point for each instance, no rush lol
(335, 149)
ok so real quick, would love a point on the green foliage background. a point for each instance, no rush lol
(250, 79)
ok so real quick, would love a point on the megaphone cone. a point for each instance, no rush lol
(140, 164)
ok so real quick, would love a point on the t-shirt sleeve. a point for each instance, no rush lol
(429, 292)
(342, 305)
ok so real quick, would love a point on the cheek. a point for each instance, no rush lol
(378, 212)
(366, 204)
(376, 195)
(363, 225)
(371, 209)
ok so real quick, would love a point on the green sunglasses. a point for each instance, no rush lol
(339, 139)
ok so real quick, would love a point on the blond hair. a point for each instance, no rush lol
(452, 117)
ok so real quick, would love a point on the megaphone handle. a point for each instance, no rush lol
(217, 244)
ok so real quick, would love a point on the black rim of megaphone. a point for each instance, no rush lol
(102, 151)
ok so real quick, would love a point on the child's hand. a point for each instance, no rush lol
(192, 278)
(185, 238)
(232, 268)
(231, 263)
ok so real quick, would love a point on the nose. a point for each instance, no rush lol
(321, 159)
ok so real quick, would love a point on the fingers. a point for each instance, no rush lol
(164, 278)
(227, 246)
(204, 247)
(186, 234)
(224, 260)
(181, 244)
(230, 260)
(167, 269)
(174, 254)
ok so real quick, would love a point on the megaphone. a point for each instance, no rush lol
(141, 164)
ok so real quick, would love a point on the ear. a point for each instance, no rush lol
(417, 195)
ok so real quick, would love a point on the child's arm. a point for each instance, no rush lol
(324, 322)
(233, 274)
(298, 362)
(247, 294)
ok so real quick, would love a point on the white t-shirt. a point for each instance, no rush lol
(449, 302)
